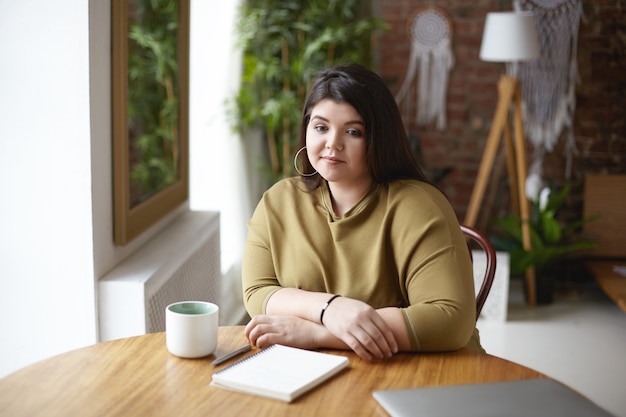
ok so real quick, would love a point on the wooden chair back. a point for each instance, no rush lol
(490, 270)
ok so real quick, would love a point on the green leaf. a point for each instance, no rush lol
(511, 225)
(550, 227)
(556, 199)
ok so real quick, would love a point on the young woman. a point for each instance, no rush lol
(359, 252)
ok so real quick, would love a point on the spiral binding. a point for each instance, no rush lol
(240, 361)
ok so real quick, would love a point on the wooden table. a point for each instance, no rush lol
(139, 377)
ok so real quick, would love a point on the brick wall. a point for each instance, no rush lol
(600, 132)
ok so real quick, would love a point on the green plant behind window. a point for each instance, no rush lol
(284, 44)
(152, 97)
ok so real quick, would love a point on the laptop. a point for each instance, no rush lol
(530, 397)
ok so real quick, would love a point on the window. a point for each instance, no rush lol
(150, 44)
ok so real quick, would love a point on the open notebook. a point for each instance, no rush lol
(279, 372)
(527, 398)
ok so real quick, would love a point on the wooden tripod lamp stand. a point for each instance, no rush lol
(508, 37)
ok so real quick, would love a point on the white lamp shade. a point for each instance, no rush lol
(509, 37)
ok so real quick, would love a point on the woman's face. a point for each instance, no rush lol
(335, 140)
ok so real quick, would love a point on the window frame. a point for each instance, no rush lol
(130, 222)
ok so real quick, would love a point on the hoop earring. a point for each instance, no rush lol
(295, 164)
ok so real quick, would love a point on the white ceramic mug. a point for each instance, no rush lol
(191, 328)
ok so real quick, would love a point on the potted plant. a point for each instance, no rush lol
(552, 240)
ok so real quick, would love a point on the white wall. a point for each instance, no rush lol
(55, 138)
(46, 269)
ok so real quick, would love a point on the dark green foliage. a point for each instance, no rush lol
(152, 97)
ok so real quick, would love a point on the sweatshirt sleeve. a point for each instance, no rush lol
(436, 273)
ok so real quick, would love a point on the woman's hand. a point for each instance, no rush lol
(361, 328)
(266, 330)
(293, 319)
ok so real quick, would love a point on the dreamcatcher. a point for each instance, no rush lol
(430, 32)
(548, 84)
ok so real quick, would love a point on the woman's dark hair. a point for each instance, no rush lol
(388, 150)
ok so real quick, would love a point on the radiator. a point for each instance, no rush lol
(181, 263)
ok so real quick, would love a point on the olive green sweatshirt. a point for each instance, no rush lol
(400, 246)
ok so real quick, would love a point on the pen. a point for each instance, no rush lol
(232, 354)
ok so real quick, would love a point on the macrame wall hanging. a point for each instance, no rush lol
(430, 32)
(548, 84)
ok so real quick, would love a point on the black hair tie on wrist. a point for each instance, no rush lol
(325, 306)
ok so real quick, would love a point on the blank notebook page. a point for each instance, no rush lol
(280, 372)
